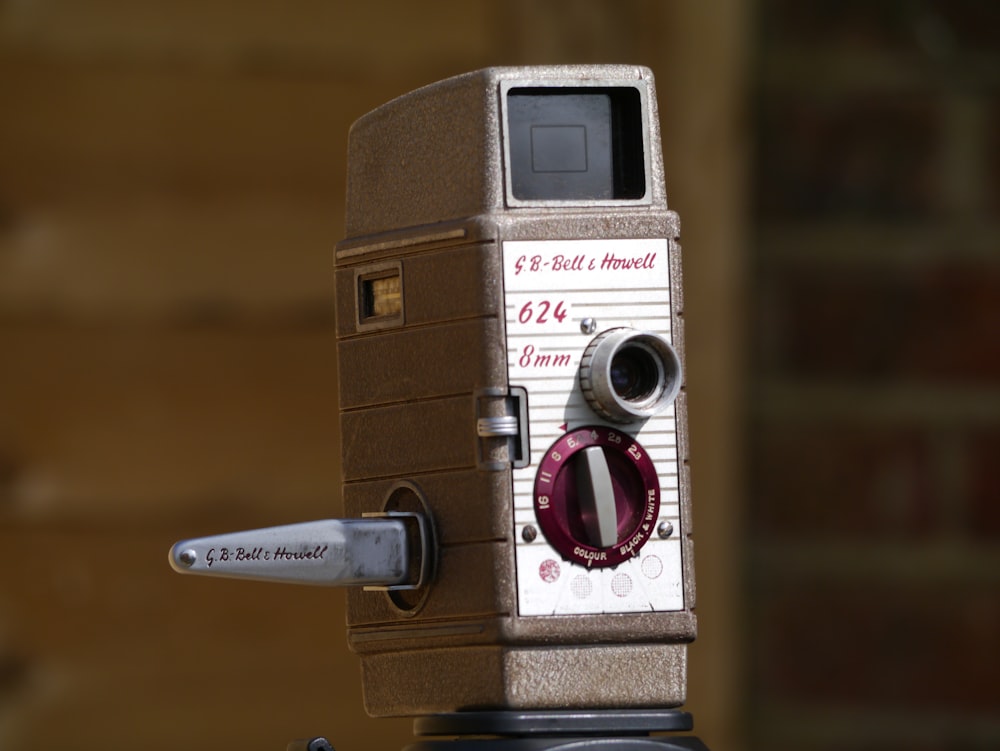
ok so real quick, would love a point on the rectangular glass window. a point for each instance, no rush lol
(575, 143)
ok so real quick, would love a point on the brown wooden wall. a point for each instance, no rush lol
(171, 189)
(873, 500)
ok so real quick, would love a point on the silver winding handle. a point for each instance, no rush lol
(375, 552)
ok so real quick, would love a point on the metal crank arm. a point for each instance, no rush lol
(390, 550)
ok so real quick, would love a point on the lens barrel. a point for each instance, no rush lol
(628, 375)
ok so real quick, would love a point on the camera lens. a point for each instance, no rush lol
(629, 375)
(634, 373)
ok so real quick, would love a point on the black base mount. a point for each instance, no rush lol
(573, 730)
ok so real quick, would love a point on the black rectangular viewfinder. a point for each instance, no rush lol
(575, 143)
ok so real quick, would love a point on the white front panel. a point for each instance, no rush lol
(550, 287)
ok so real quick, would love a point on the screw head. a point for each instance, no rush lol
(665, 529)
(188, 557)
(588, 325)
(529, 533)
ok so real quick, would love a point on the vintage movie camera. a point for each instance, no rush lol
(512, 415)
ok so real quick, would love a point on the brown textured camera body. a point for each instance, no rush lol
(429, 386)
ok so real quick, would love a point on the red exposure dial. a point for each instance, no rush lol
(597, 496)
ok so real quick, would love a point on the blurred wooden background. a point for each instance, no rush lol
(171, 189)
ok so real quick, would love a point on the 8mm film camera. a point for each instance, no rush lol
(512, 416)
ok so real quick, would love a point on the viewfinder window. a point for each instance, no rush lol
(575, 144)
(380, 296)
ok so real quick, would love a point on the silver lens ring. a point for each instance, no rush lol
(628, 375)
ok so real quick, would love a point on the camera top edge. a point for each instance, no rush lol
(541, 139)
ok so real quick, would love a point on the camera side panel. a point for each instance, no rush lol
(412, 388)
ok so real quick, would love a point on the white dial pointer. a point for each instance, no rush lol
(597, 497)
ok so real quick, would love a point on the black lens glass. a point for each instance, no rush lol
(634, 375)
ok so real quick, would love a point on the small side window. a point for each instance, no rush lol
(380, 296)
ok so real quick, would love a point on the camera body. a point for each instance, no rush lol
(510, 348)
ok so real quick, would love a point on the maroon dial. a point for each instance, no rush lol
(597, 496)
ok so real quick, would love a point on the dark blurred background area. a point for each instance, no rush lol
(873, 451)
(171, 190)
